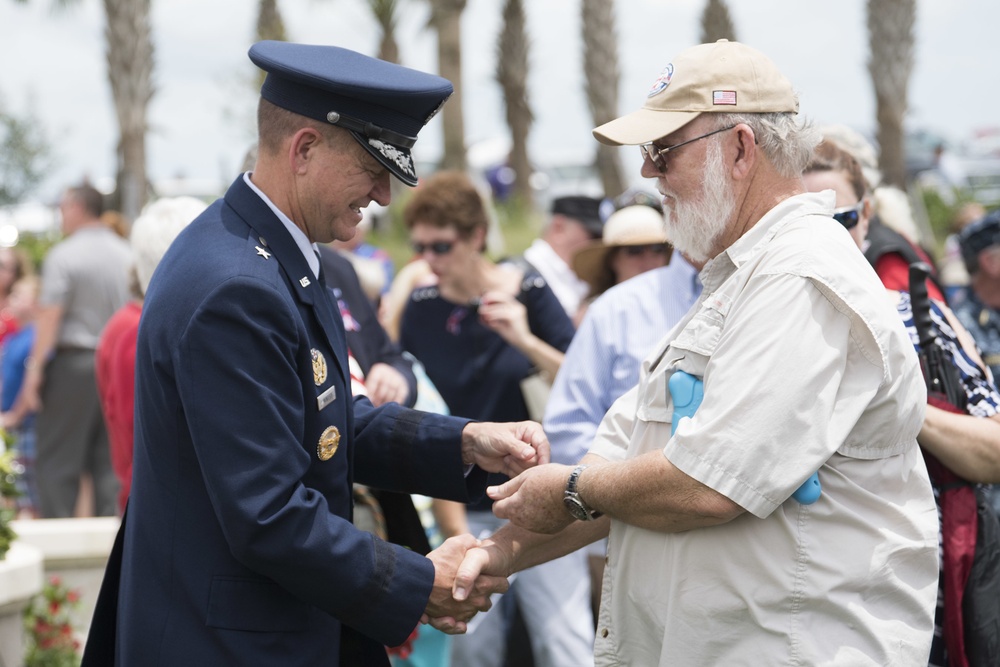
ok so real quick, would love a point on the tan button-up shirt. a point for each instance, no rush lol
(806, 367)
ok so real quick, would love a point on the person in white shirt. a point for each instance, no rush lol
(805, 367)
(574, 223)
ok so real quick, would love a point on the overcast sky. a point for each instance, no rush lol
(201, 115)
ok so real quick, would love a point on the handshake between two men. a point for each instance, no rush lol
(469, 571)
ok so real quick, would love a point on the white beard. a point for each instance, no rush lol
(694, 225)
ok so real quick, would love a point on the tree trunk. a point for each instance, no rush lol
(385, 14)
(446, 18)
(600, 66)
(512, 74)
(130, 72)
(270, 25)
(891, 39)
(716, 23)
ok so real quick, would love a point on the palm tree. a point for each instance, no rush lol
(512, 74)
(129, 42)
(270, 25)
(385, 14)
(891, 40)
(716, 23)
(600, 66)
(446, 19)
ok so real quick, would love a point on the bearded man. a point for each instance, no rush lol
(804, 367)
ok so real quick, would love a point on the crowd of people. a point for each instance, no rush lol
(476, 460)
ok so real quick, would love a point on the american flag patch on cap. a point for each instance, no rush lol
(724, 97)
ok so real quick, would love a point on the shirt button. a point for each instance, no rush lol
(604, 633)
(607, 560)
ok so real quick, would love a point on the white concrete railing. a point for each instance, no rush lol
(76, 551)
(21, 578)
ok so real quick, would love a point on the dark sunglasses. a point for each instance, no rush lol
(849, 215)
(638, 250)
(438, 247)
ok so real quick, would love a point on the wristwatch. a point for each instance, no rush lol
(574, 503)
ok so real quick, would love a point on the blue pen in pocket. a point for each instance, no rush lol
(686, 391)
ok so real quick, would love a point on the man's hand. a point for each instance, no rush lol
(446, 611)
(31, 388)
(492, 557)
(534, 499)
(385, 385)
(509, 448)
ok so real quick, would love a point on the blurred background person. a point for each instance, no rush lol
(17, 420)
(372, 264)
(634, 240)
(961, 442)
(14, 265)
(954, 275)
(84, 282)
(152, 233)
(574, 222)
(480, 329)
(979, 310)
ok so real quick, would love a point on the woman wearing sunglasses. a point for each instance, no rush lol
(480, 329)
(634, 241)
(965, 443)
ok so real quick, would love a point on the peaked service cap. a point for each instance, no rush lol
(383, 105)
(721, 77)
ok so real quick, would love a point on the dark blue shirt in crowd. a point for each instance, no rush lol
(476, 371)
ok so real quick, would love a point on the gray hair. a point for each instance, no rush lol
(156, 228)
(786, 141)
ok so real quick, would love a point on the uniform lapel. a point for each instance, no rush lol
(272, 238)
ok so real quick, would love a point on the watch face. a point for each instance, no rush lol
(576, 508)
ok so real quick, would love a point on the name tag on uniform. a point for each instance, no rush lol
(326, 398)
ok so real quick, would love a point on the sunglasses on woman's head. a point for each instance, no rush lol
(849, 215)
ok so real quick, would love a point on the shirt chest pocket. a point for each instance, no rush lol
(690, 351)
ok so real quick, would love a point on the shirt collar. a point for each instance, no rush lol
(758, 236)
(309, 250)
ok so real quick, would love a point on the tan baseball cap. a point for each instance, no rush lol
(723, 77)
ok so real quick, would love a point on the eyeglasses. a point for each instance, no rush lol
(655, 154)
(438, 247)
(849, 215)
(638, 250)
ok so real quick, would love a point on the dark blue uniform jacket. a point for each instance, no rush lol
(238, 544)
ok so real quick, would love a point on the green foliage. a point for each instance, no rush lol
(24, 156)
(50, 630)
(9, 470)
(941, 214)
(36, 246)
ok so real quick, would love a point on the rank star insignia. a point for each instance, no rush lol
(328, 443)
(263, 253)
(319, 367)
